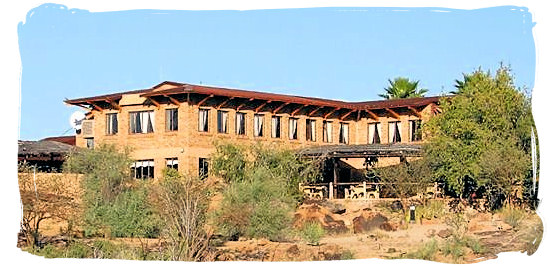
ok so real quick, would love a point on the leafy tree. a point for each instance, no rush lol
(482, 137)
(402, 88)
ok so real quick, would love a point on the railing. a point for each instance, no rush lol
(356, 190)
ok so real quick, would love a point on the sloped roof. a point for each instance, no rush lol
(71, 140)
(43, 147)
(182, 88)
(364, 150)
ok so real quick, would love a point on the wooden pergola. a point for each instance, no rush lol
(333, 153)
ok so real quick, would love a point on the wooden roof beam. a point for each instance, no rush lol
(298, 109)
(280, 107)
(261, 106)
(415, 111)
(347, 114)
(205, 99)
(373, 115)
(94, 105)
(315, 110)
(224, 102)
(113, 104)
(358, 115)
(172, 99)
(244, 103)
(393, 113)
(331, 112)
(154, 102)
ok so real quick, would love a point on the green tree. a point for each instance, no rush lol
(402, 88)
(482, 137)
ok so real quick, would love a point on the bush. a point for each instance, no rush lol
(262, 189)
(426, 252)
(182, 204)
(513, 216)
(114, 203)
(347, 255)
(312, 233)
(433, 209)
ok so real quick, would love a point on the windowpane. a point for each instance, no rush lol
(171, 119)
(240, 123)
(172, 163)
(203, 120)
(111, 124)
(394, 132)
(374, 133)
(258, 125)
(143, 169)
(142, 122)
(344, 133)
(203, 168)
(415, 130)
(275, 126)
(222, 122)
(327, 131)
(293, 128)
(310, 129)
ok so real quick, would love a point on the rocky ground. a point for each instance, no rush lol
(359, 230)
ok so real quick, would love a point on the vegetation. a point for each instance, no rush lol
(44, 197)
(182, 204)
(426, 251)
(513, 216)
(481, 138)
(402, 88)
(262, 189)
(406, 180)
(312, 233)
(114, 203)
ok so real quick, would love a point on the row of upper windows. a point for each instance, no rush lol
(143, 122)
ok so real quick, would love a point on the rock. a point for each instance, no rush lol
(445, 233)
(391, 250)
(368, 221)
(430, 233)
(396, 206)
(293, 250)
(387, 226)
(262, 242)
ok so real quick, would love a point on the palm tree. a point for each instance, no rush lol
(403, 88)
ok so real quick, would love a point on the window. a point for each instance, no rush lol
(415, 130)
(172, 119)
(374, 133)
(142, 122)
(112, 124)
(203, 120)
(240, 123)
(258, 125)
(344, 133)
(90, 143)
(275, 126)
(203, 168)
(172, 163)
(222, 121)
(327, 131)
(143, 169)
(310, 130)
(394, 132)
(293, 128)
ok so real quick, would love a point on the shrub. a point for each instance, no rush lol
(114, 203)
(312, 232)
(347, 255)
(513, 216)
(182, 204)
(78, 250)
(262, 189)
(426, 252)
(433, 209)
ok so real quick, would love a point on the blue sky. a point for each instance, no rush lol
(337, 53)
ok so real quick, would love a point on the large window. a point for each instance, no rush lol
(203, 168)
(172, 163)
(258, 125)
(394, 132)
(344, 133)
(374, 133)
(327, 131)
(111, 124)
(222, 121)
(142, 122)
(143, 169)
(310, 130)
(172, 119)
(203, 120)
(415, 130)
(240, 123)
(275, 126)
(293, 128)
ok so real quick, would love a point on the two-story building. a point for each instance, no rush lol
(175, 124)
